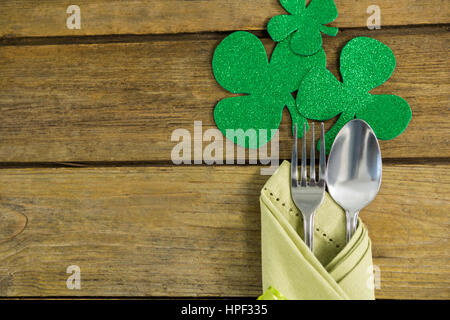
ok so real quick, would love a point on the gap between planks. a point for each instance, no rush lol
(208, 35)
(110, 164)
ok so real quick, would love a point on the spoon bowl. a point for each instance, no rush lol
(354, 170)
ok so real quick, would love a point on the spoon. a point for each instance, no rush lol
(354, 170)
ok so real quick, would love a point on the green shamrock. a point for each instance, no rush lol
(240, 65)
(365, 64)
(304, 23)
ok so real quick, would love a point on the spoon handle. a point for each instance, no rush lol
(351, 223)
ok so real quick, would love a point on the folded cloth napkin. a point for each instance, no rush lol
(337, 270)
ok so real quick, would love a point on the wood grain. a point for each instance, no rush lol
(28, 18)
(170, 231)
(122, 101)
(152, 231)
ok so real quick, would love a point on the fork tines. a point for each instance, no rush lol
(312, 171)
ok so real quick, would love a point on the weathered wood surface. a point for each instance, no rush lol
(28, 18)
(161, 230)
(195, 231)
(121, 101)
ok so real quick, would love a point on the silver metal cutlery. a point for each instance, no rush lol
(354, 170)
(308, 194)
(353, 174)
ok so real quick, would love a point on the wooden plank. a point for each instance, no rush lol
(195, 231)
(28, 18)
(122, 101)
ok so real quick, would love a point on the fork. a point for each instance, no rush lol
(308, 195)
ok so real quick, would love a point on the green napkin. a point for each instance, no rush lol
(336, 270)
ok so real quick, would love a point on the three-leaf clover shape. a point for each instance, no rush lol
(304, 23)
(365, 64)
(240, 65)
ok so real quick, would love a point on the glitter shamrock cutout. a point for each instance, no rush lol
(365, 64)
(305, 24)
(240, 65)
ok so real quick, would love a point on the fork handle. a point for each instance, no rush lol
(308, 225)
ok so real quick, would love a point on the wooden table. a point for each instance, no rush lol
(86, 175)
